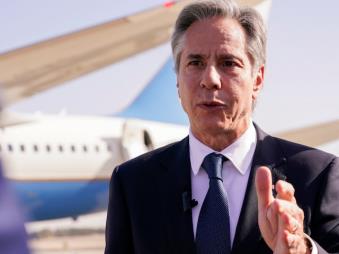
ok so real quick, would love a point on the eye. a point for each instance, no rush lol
(229, 63)
(197, 63)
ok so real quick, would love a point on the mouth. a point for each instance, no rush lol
(212, 105)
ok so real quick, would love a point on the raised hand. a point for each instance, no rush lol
(280, 218)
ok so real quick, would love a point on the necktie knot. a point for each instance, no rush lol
(212, 164)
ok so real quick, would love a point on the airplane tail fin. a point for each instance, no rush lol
(159, 100)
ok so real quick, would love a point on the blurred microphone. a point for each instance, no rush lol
(187, 202)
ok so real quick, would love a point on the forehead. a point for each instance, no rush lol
(216, 33)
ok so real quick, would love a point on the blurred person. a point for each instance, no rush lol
(211, 193)
(13, 237)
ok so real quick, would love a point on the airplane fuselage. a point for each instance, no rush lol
(61, 166)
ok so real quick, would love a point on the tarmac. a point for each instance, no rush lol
(66, 236)
(89, 244)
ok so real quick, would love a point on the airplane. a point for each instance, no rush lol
(60, 165)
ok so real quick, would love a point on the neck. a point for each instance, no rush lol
(219, 140)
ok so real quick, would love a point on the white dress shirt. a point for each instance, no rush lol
(235, 174)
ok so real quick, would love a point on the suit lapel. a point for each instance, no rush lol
(248, 236)
(176, 183)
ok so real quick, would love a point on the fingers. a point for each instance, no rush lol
(290, 236)
(285, 191)
(285, 208)
(283, 215)
(272, 217)
(263, 184)
(280, 218)
(264, 187)
(267, 217)
(291, 224)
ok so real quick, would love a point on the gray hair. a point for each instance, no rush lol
(249, 19)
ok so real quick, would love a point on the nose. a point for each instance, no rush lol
(211, 78)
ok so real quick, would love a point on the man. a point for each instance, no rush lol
(212, 191)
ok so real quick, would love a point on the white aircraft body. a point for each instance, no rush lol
(60, 165)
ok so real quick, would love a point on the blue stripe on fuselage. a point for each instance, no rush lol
(51, 200)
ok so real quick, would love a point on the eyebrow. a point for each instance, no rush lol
(222, 56)
(195, 57)
(229, 56)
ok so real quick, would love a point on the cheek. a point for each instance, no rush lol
(185, 87)
(184, 95)
(240, 97)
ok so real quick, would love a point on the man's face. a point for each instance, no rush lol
(216, 82)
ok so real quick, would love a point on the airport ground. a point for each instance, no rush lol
(66, 236)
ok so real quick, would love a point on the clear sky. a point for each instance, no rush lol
(302, 77)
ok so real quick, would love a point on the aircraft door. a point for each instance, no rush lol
(135, 139)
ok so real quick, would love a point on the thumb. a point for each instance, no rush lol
(263, 185)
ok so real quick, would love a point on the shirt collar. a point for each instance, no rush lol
(239, 153)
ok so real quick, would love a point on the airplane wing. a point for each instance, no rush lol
(29, 70)
(314, 135)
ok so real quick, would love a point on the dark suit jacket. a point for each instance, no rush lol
(146, 215)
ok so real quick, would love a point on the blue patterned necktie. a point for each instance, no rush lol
(213, 230)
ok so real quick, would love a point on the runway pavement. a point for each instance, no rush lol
(66, 236)
(88, 244)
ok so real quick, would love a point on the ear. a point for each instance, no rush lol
(258, 82)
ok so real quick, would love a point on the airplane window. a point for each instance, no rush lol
(35, 148)
(10, 147)
(72, 148)
(48, 148)
(61, 149)
(22, 148)
(84, 148)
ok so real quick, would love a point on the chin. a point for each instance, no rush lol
(217, 127)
